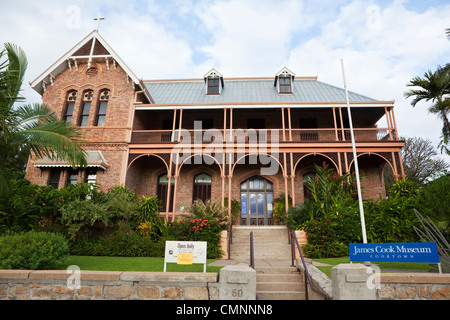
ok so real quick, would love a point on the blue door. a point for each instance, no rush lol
(256, 202)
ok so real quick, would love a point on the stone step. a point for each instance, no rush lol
(279, 286)
(268, 242)
(281, 295)
(275, 270)
(279, 277)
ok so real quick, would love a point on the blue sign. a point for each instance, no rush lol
(395, 252)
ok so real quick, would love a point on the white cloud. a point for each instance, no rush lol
(251, 37)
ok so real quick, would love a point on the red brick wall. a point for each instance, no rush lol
(112, 138)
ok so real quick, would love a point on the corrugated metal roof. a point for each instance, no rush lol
(247, 91)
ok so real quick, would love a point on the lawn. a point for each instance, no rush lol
(384, 266)
(134, 264)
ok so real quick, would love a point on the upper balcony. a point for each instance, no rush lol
(152, 129)
(263, 135)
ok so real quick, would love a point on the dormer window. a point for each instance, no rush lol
(213, 82)
(213, 86)
(285, 85)
(284, 80)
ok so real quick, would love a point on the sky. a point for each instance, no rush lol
(383, 44)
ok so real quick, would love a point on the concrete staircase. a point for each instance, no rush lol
(279, 283)
(276, 279)
(270, 242)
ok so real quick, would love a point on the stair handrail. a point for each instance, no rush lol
(307, 275)
(252, 252)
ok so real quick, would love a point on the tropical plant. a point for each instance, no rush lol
(31, 128)
(331, 194)
(279, 207)
(235, 208)
(200, 229)
(434, 86)
(210, 210)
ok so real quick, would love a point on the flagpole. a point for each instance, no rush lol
(355, 159)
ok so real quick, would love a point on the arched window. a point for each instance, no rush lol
(103, 105)
(307, 177)
(87, 101)
(70, 104)
(163, 187)
(256, 202)
(202, 187)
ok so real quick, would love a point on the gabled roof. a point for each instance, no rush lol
(285, 72)
(213, 73)
(93, 46)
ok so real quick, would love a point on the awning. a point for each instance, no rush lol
(94, 159)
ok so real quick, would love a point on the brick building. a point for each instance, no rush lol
(214, 137)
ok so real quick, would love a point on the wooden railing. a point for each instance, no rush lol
(263, 135)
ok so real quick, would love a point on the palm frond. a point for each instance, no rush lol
(34, 112)
(54, 139)
(12, 76)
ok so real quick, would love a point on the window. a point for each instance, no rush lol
(53, 180)
(163, 187)
(101, 114)
(70, 104)
(202, 187)
(213, 86)
(90, 175)
(72, 177)
(87, 100)
(285, 85)
(213, 82)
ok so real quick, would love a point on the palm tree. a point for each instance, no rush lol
(30, 128)
(434, 86)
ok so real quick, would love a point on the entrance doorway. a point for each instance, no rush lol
(256, 202)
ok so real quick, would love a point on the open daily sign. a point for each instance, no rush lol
(185, 252)
(426, 252)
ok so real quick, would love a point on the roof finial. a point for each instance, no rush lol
(99, 17)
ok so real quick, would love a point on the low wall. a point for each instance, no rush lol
(414, 286)
(107, 285)
(319, 279)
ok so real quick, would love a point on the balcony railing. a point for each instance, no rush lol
(264, 135)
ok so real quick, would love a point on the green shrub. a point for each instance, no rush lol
(204, 222)
(435, 199)
(200, 229)
(25, 204)
(79, 215)
(324, 240)
(279, 207)
(33, 250)
(119, 244)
